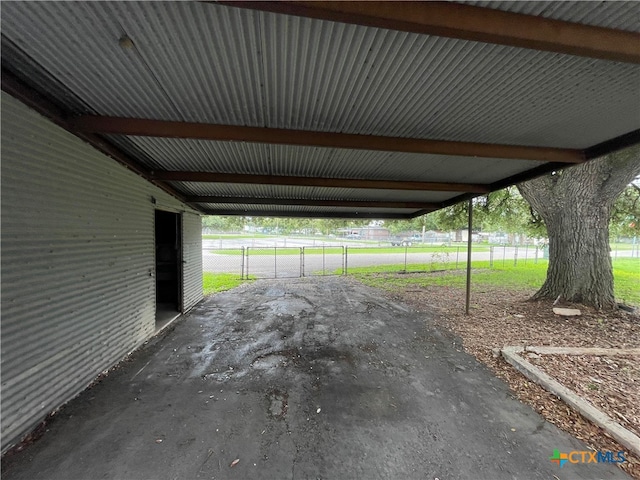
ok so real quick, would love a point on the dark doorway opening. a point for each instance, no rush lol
(168, 267)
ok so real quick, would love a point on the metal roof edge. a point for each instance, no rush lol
(346, 215)
(613, 145)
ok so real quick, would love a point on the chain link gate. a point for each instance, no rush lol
(273, 262)
(323, 261)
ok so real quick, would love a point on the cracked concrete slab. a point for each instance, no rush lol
(301, 378)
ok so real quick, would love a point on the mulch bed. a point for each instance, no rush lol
(503, 317)
(610, 383)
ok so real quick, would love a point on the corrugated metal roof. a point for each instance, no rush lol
(205, 62)
(316, 193)
(264, 159)
(211, 63)
(607, 14)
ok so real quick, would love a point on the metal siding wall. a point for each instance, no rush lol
(192, 258)
(77, 254)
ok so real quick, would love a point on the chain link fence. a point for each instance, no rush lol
(287, 262)
(224, 260)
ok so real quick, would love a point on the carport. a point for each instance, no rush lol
(300, 379)
(313, 109)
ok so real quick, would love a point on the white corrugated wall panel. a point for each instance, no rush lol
(78, 290)
(192, 260)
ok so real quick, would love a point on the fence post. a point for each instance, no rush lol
(491, 256)
(515, 257)
(275, 262)
(346, 259)
(406, 247)
(343, 257)
(242, 264)
(323, 266)
(302, 261)
(457, 255)
(504, 254)
(247, 262)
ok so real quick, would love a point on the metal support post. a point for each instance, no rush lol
(469, 242)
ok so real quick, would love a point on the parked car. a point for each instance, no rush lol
(400, 242)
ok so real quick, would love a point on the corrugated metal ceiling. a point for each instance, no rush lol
(210, 63)
(301, 210)
(264, 159)
(315, 193)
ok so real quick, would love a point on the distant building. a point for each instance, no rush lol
(365, 233)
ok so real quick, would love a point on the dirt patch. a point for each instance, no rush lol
(278, 404)
(368, 347)
(504, 317)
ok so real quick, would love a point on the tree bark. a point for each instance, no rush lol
(575, 205)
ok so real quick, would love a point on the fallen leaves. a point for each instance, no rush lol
(616, 390)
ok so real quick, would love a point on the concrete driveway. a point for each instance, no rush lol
(303, 378)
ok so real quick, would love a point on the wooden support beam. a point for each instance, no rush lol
(210, 177)
(204, 131)
(499, 185)
(466, 22)
(313, 202)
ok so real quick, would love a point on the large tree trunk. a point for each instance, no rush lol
(575, 205)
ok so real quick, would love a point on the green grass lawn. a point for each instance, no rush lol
(531, 276)
(626, 278)
(626, 272)
(219, 282)
(338, 250)
(233, 236)
(417, 249)
(623, 246)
